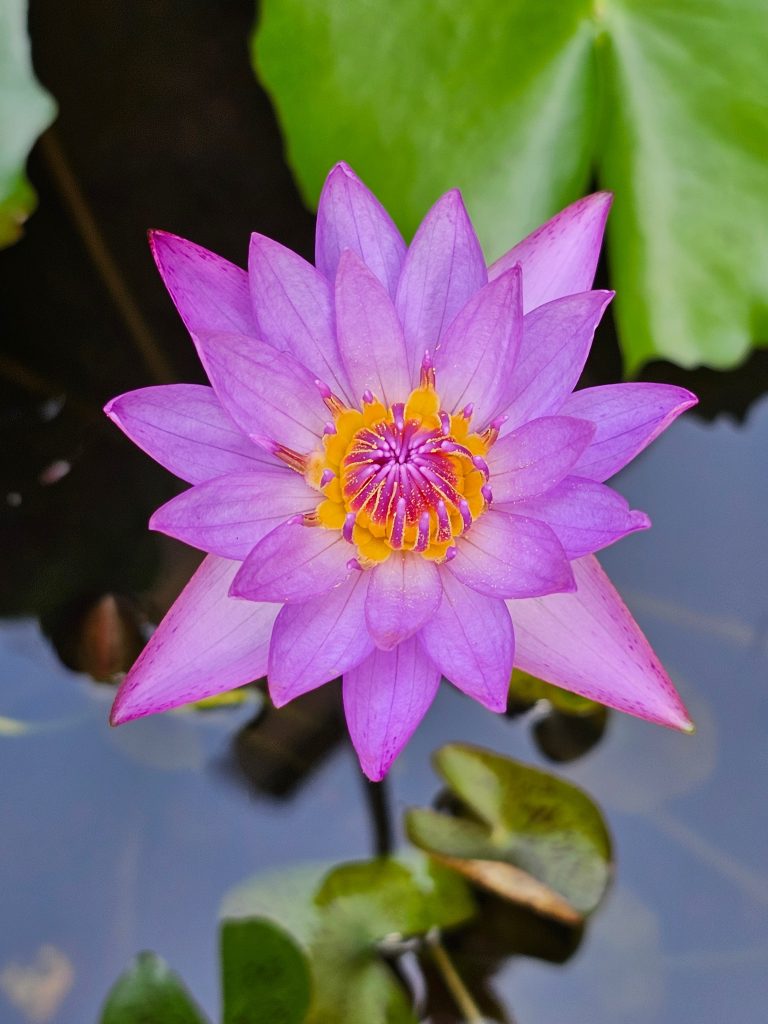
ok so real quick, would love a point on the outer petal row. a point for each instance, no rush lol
(206, 644)
(589, 643)
(385, 699)
(185, 429)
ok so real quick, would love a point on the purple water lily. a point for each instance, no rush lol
(391, 474)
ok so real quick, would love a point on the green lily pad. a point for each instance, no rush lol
(150, 992)
(26, 110)
(265, 974)
(520, 104)
(525, 834)
(344, 918)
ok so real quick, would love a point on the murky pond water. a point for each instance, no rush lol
(118, 840)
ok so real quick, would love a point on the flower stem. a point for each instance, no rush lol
(466, 1004)
(378, 804)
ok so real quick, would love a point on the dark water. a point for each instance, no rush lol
(118, 840)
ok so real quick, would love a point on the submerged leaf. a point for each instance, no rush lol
(527, 689)
(26, 110)
(548, 832)
(502, 100)
(150, 992)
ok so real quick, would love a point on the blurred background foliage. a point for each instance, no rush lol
(525, 106)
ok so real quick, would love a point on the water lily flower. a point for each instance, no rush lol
(392, 475)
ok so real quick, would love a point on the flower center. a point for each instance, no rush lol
(405, 477)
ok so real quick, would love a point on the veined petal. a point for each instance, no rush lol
(206, 644)
(585, 515)
(293, 563)
(476, 357)
(555, 345)
(443, 269)
(210, 293)
(536, 456)
(506, 556)
(627, 418)
(385, 698)
(269, 394)
(369, 333)
(185, 429)
(318, 640)
(228, 516)
(471, 640)
(404, 591)
(293, 309)
(588, 642)
(349, 216)
(560, 257)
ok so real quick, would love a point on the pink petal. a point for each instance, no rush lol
(560, 257)
(185, 429)
(627, 418)
(294, 563)
(536, 456)
(511, 556)
(269, 394)
(476, 357)
(589, 643)
(443, 269)
(385, 698)
(556, 342)
(370, 335)
(230, 515)
(293, 307)
(319, 640)
(470, 639)
(349, 216)
(207, 643)
(210, 293)
(404, 591)
(585, 515)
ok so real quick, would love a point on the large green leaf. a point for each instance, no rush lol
(26, 109)
(664, 101)
(265, 975)
(548, 833)
(150, 993)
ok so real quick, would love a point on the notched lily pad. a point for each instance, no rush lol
(523, 834)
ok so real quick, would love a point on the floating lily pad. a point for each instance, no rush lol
(26, 110)
(343, 920)
(150, 992)
(526, 835)
(520, 104)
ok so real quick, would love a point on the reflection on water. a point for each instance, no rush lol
(115, 840)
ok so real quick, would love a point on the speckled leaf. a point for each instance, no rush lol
(502, 101)
(149, 992)
(26, 110)
(264, 974)
(519, 816)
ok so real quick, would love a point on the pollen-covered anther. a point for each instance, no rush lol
(405, 477)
